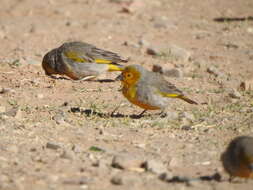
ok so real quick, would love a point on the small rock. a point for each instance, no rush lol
(125, 179)
(6, 90)
(52, 146)
(40, 96)
(176, 162)
(14, 112)
(186, 127)
(250, 30)
(13, 148)
(133, 7)
(157, 69)
(247, 85)
(154, 166)
(152, 51)
(117, 180)
(177, 73)
(177, 53)
(2, 34)
(33, 62)
(76, 181)
(165, 176)
(131, 44)
(214, 71)
(59, 118)
(171, 116)
(162, 22)
(235, 94)
(144, 43)
(187, 116)
(126, 161)
(66, 155)
(2, 109)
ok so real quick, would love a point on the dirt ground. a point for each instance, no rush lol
(59, 134)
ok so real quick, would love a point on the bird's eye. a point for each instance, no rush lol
(129, 75)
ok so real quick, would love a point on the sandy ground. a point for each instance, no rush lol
(58, 134)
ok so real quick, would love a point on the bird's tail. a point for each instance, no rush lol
(182, 97)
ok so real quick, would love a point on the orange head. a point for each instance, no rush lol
(131, 74)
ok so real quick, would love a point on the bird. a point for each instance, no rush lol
(237, 159)
(80, 61)
(147, 89)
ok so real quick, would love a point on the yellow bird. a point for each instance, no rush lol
(80, 61)
(237, 159)
(147, 89)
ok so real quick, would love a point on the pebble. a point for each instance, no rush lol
(125, 179)
(155, 166)
(59, 118)
(250, 30)
(2, 109)
(76, 181)
(40, 96)
(187, 116)
(13, 148)
(214, 71)
(177, 73)
(126, 161)
(152, 51)
(234, 94)
(144, 43)
(178, 53)
(14, 112)
(6, 90)
(52, 146)
(247, 85)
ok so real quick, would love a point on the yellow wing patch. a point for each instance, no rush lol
(169, 95)
(103, 61)
(74, 56)
(113, 67)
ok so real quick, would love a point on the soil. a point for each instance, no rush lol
(60, 133)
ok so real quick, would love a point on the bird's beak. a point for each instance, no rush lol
(119, 78)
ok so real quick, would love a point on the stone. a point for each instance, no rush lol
(234, 94)
(214, 71)
(177, 53)
(40, 96)
(59, 118)
(125, 179)
(247, 85)
(152, 51)
(143, 43)
(177, 73)
(187, 116)
(126, 161)
(6, 90)
(52, 146)
(174, 72)
(2, 109)
(155, 166)
(14, 112)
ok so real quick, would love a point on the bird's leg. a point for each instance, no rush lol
(141, 114)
